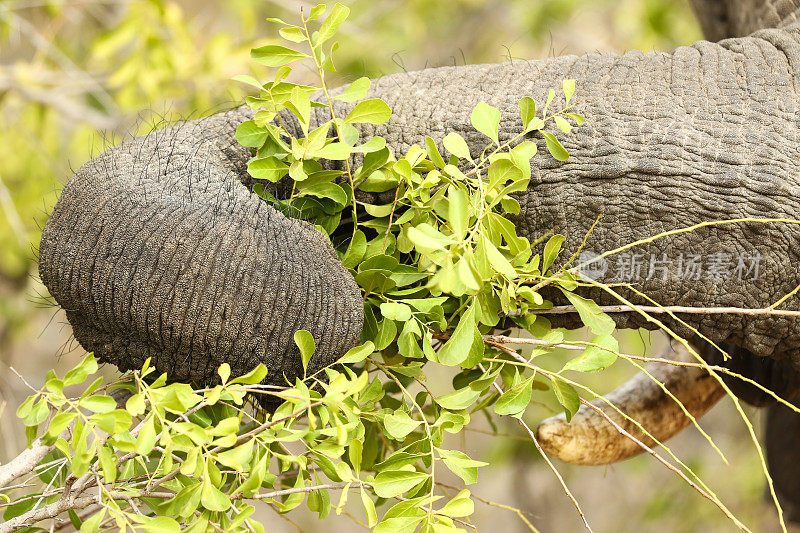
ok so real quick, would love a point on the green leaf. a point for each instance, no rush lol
(461, 465)
(379, 181)
(486, 119)
(59, 423)
(461, 505)
(328, 190)
(514, 401)
(596, 358)
(98, 403)
(355, 91)
(554, 147)
(433, 153)
(92, 524)
(398, 424)
(551, 251)
(268, 168)
(224, 372)
(521, 156)
(562, 124)
(301, 106)
(497, 259)
(527, 108)
(568, 86)
(372, 111)
(85, 368)
(237, 458)
(591, 315)
(425, 305)
(391, 483)
(566, 396)
(355, 250)
(292, 33)
(456, 145)
(213, 499)
(378, 211)
(358, 353)
(460, 399)
(550, 96)
(250, 135)
(369, 508)
(146, 439)
(457, 347)
(396, 311)
(387, 332)
(249, 80)
(316, 11)
(335, 151)
(328, 29)
(136, 404)
(253, 377)
(503, 170)
(458, 211)
(375, 144)
(576, 117)
(305, 341)
(274, 55)
(161, 524)
(428, 239)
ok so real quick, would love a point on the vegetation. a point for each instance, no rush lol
(441, 269)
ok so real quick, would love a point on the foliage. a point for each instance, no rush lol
(441, 269)
(438, 267)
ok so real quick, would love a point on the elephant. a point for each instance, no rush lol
(159, 248)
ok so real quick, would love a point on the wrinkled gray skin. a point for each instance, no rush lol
(156, 248)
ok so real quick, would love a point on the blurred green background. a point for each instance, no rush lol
(78, 76)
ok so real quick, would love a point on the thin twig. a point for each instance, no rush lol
(548, 461)
(295, 490)
(514, 510)
(564, 309)
(661, 460)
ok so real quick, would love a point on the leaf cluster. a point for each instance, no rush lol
(441, 267)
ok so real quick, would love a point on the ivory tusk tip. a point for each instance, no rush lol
(558, 440)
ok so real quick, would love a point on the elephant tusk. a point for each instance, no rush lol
(590, 439)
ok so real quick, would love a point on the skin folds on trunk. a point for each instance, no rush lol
(156, 249)
(707, 133)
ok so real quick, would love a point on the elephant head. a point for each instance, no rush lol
(158, 248)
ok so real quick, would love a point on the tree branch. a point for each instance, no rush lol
(24, 463)
(563, 309)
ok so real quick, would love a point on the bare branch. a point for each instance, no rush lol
(23, 463)
(564, 309)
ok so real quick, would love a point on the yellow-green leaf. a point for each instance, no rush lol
(372, 111)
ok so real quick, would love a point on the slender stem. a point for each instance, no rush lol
(661, 460)
(547, 460)
(563, 309)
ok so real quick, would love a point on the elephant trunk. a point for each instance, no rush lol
(157, 249)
